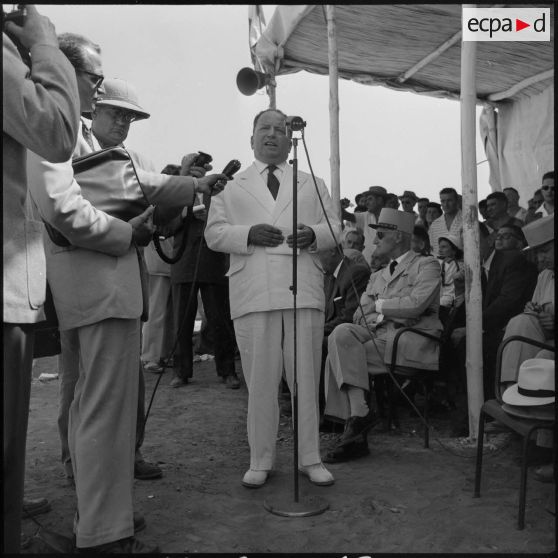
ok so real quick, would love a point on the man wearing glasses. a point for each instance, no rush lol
(405, 293)
(96, 284)
(547, 189)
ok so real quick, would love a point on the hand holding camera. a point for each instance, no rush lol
(29, 27)
(196, 164)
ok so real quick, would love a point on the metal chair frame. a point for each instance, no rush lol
(526, 428)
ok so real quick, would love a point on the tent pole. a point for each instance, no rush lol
(473, 296)
(334, 161)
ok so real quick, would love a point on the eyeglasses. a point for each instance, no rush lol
(547, 188)
(506, 236)
(380, 234)
(124, 115)
(98, 78)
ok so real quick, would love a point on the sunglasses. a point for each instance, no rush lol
(506, 236)
(547, 188)
(380, 234)
(98, 78)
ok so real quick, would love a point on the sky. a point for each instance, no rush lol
(183, 61)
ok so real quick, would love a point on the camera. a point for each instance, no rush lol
(15, 16)
(202, 159)
(296, 123)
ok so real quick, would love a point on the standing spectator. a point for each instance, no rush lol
(547, 189)
(360, 201)
(253, 223)
(533, 206)
(433, 211)
(514, 209)
(497, 212)
(392, 201)
(40, 112)
(422, 206)
(408, 202)
(201, 270)
(96, 283)
(420, 241)
(450, 222)
(375, 199)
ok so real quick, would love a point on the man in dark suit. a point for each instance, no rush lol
(203, 270)
(344, 282)
(508, 281)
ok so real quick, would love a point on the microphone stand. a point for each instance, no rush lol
(282, 505)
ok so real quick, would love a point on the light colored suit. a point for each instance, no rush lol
(261, 301)
(40, 111)
(97, 291)
(410, 298)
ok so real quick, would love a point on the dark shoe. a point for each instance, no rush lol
(177, 382)
(355, 427)
(144, 470)
(122, 546)
(34, 506)
(232, 381)
(354, 450)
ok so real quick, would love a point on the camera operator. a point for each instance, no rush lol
(40, 112)
(97, 284)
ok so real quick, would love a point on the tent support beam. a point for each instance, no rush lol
(334, 161)
(473, 295)
(427, 59)
(520, 85)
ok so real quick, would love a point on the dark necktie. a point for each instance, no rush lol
(272, 181)
(86, 132)
(392, 266)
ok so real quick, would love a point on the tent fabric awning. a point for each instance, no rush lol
(378, 44)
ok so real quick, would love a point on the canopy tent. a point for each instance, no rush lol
(417, 47)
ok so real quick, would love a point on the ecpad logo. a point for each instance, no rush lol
(506, 24)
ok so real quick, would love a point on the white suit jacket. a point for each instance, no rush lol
(259, 277)
(98, 276)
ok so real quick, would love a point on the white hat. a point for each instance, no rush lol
(535, 384)
(453, 239)
(119, 93)
(395, 220)
(539, 232)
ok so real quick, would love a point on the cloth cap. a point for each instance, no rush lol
(408, 194)
(453, 239)
(535, 384)
(395, 220)
(539, 232)
(119, 93)
(377, 191)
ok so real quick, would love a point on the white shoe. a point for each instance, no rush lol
(254, 479)
(317, 474)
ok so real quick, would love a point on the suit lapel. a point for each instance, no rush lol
(252, 182)
(284, 198)
(402, 266)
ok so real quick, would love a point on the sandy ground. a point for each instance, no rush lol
(401, 498)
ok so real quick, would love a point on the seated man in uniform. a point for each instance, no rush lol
(405, 293)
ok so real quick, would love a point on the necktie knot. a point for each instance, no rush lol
(87, 135)
(272, 181)
(392, 266)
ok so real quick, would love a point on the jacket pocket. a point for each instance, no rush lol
(36, 263)
(235, 266)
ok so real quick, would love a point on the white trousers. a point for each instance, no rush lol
(266, 344)
(102, 429)
(158, 336)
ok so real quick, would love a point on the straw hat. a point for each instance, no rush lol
(119, 93)
(539, 232)
(535, 384)
(395, 220)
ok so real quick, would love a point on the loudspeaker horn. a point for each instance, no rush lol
(249, 81)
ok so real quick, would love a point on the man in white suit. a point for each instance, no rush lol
(253, 223)
(97, 290)
(405, 293)
(40, 112)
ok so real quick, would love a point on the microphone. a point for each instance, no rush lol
(296, 123)
(232, 167)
